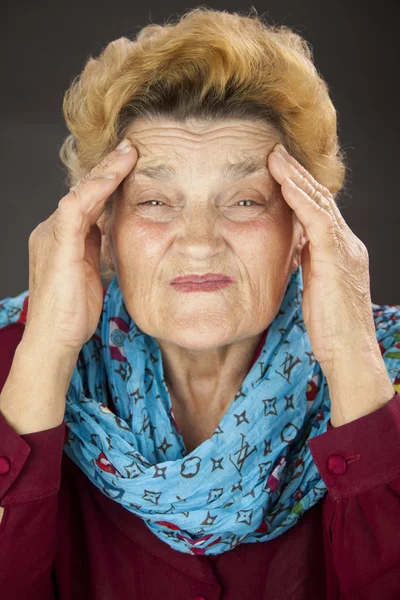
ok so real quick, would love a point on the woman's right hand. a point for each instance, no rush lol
(65, 288)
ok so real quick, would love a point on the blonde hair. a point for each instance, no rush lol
(208, 64)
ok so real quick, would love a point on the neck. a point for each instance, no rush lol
(202, 384)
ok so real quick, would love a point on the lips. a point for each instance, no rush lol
(202, 278)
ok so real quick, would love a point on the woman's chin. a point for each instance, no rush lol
(195, 335)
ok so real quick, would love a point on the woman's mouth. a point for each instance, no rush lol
(209, 282)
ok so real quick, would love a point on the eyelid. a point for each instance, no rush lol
(265, 193)
(245, 199)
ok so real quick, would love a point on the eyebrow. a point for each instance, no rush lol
(233, 171)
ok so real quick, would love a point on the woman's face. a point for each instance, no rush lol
(198, 221)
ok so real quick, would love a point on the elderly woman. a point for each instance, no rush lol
(228, 404)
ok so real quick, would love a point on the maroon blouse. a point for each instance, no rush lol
(62, 538)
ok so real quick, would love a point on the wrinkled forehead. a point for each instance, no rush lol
(231, 150)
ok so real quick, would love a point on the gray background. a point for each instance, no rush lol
(45, 44)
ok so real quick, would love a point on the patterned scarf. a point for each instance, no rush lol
(253, 478)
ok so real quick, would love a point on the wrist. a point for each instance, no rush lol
(33, 395)
(53, 365)
(33, 348)
(357, 388)
(357, 370)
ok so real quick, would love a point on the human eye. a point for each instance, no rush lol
(148, 202)
(248, 200)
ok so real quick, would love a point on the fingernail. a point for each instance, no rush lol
(280, 149)
(124, 146)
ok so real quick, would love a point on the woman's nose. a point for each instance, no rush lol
(199, 220)
(200, 240)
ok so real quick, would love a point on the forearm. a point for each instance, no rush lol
(33, 396)
(359, 386)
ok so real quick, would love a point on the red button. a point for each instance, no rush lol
(337, 464)
(5, 465)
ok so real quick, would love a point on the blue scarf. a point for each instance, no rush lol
(253, 478)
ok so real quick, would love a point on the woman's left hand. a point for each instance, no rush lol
(337, 307)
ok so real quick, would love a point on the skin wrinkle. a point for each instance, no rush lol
(232, 171)
(207, 340)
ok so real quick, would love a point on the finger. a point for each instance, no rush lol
(323, 195)
(105, 166)
(281, 169)
(328, 199)
(311, 186)
(84, 204)
(318, 223)
(315, 190)
(278, 148)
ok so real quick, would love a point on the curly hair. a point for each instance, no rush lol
(207, 64)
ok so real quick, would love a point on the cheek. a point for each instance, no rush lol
(265, 234)
(264, 249)
(138, 242)
(268, 236)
